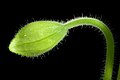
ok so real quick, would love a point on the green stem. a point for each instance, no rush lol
(109, 41)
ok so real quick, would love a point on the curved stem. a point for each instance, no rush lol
(109, 41)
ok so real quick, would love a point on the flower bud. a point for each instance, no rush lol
(37, 38)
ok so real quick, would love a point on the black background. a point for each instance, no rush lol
(82, 51)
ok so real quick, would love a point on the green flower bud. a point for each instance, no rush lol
(37, 38)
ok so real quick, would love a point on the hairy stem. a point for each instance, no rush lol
(109, 41)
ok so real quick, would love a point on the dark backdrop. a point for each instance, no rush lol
(82, 51)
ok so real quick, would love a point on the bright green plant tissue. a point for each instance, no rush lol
(37, 37)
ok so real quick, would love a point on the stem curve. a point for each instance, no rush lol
(108, 36)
